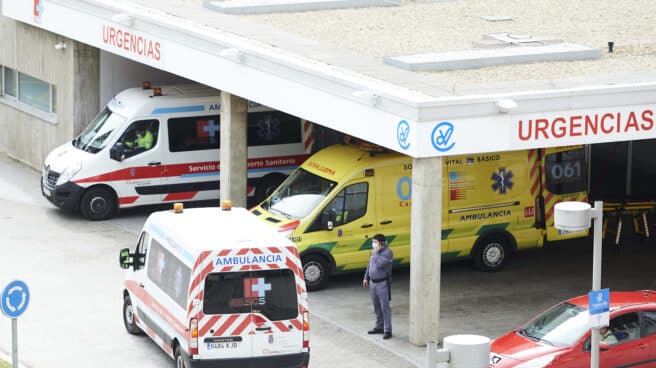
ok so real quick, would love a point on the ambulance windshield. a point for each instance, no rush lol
(99, 132)
(298, 195)
(271, 293)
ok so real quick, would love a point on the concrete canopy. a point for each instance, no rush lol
(326, 66)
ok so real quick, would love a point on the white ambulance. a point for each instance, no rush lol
(215, 287)
(155, 145)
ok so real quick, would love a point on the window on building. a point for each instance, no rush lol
(34, 92)
(9, 81)
(22, 90)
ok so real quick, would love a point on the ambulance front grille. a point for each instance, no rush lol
(51, 178)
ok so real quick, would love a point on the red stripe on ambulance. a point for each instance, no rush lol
(242, 326)
(190, 168)
(127, 200)
(182, 196)
(226, 325)
(158, 308)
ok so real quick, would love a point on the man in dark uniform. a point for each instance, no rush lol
(377, 277)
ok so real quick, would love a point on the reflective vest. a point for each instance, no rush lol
(146, 141)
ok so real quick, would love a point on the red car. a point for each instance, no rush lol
(560, 336)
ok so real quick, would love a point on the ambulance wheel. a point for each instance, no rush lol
(128, 317)
(491, 253)
(179, 360)
(267, 185)
(316, 271)
(98, 204)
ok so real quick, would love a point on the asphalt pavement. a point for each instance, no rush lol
(71, 267)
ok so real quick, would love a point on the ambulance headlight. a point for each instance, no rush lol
(287, 229)
(69, 172)
(286, 233)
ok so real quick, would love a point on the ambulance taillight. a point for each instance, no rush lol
(193, 332)
(306, 329)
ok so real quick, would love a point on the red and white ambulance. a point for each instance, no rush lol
(215, 287)
(157, 145)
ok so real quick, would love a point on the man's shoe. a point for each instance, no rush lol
(387, 335)
(375, 331)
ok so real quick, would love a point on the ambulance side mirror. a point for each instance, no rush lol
(125, 258)
(117, 152)
(327, 220)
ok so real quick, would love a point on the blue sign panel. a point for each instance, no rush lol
(599, 301)
(15, 298)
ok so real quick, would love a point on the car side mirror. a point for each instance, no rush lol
(117, 152)
(603, 346)
(327, 220)
(125, 258)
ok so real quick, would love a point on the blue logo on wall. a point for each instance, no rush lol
(441, 136)
(402, 133)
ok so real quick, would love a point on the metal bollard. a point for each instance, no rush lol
(466, 351)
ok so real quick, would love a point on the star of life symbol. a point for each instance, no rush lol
(268, 128)
(502, 180)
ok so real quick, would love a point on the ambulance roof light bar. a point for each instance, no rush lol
(226, 205)
(178, 207)
(146, 85)
(363, 145)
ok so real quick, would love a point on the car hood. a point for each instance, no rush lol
(63, 156)
(517, 348)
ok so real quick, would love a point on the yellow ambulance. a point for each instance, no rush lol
(492, 205)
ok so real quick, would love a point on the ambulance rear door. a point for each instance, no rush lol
(224, 331)
(564, 179)
(251, 314)
(277, 317)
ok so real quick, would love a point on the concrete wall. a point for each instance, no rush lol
(118, 73)
(73, 71)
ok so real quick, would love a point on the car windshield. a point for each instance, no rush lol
(99, 132)
(561, 325)
(298, 195)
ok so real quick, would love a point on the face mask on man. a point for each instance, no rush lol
(375, 245)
